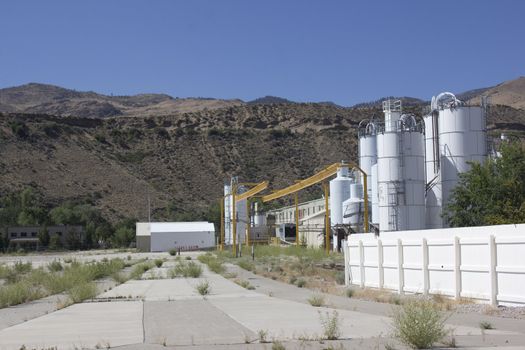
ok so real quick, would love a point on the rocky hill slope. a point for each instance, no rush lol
(180, 161)
(509, 93)
(54, 100)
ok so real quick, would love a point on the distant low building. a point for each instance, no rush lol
(164, 236)
(66, 236)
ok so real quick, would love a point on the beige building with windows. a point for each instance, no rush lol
(311, 220)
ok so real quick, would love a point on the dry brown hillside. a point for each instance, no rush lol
(54, 100)
(510, 93)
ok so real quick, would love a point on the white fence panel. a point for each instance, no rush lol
(465, 262)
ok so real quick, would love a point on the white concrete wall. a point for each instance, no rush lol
(485, 263)
(164, 241)
(142, 229)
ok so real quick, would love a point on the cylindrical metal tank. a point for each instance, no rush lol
(401, 176)
(339, 192)
(374, 198)
(227, 214)
(353, 212)
(367, 150)
(462, 139)
(433, 200)
(356, 190)
(259, 218)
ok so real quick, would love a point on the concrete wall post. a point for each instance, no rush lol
(380, 268)
(362, 263)
(457, 268)
(492, 271)
(401, 276)
(424, 246)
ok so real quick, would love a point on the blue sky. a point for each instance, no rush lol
(341, 51)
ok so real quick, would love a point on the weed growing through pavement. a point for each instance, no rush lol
(316, 300)
(203, 288)
(419, 324)
(331, 326)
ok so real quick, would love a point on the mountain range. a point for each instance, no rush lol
(37, 98)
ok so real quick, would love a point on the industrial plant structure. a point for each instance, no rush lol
(408, 168)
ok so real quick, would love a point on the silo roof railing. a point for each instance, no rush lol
(444, 100)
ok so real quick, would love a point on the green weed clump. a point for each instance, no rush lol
(244, 284)
(159, 262)
(186, 269)
(75, 279)
(419, 324)
(331, 325)
(246, 264)
(55, 266)
(140, 269)
(214, 264)
(203, 288)
(316, 300)
(301, 282)
(83, 291)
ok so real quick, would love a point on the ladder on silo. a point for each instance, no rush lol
(393, 204)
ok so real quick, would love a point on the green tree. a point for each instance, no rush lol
(54, 242)
(491, 193)
(123, 237)
(43, 236)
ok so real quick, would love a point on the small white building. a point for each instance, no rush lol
(164, 236)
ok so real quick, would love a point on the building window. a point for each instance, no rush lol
(23, 234)
(58, 233)
(33, 234)
(13, 234)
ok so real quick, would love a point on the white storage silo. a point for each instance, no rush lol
(353, 212)
(259, 217)
(356, 190)
(339, 192)
(367, 149)
(401, 175)
(433, 200)
(374, 198)
(228, 205)
(462, 139)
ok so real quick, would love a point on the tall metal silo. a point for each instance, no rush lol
(374, 199)
(339, 192)
(401, 175)
(228, 206)
(433, 196)
(367, 148)
(462, 139)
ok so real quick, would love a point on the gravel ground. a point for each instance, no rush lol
(516, 312)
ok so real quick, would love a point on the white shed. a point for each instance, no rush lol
(163, 236)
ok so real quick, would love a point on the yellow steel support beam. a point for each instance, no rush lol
(319, 177)
(300, 185)
(258, 187)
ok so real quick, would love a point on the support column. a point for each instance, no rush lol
(400, 269)
(380, 268)
(457, 268)
(362, 263)
(492, 271)
(424, 246)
